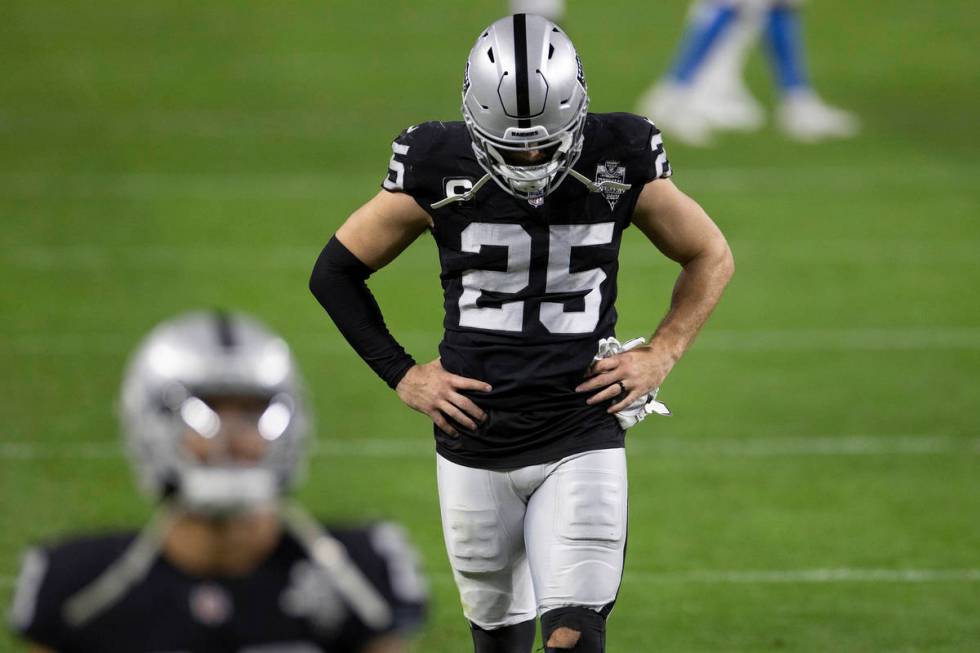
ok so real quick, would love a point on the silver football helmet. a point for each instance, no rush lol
(524, 92)
(168, 404)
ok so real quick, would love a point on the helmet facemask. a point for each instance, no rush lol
(227, 462)
(534, 180)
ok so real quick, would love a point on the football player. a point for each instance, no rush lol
(527, 199)
(704, 90)
(214, 416)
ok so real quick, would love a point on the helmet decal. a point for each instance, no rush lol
(580, 72)
(520, 55)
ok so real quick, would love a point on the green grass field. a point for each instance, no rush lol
(818, 488)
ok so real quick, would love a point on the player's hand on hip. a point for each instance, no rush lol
(432, 390)
(628, 376)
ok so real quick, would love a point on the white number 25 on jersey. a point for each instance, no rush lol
(510, 315)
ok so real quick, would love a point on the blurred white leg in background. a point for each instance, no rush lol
(553, 10)
(725, 99)
(679, 103)
(802, 114)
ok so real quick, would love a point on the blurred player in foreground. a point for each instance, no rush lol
(527, 199)
(704, 91)
(215, 422)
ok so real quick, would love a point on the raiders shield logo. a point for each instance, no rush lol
(611, 171)
(580, 72)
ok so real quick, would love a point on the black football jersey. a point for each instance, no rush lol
(528, 291)
(289, 604)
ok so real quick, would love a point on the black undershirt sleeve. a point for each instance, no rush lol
(339, 283)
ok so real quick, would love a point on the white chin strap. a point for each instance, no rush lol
(226, 490)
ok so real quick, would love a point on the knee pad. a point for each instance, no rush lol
(518, 638)
(590, 624)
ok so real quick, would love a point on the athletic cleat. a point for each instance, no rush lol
(678, 112)
(728, 105)
(805, 117)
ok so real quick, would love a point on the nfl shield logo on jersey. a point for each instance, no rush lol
(210, 604)
(611, 171)
(536, 199)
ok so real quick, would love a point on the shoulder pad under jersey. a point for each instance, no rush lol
(424, 155)
(637, 142)
(50, 576)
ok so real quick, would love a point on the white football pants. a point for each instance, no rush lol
(529, 540)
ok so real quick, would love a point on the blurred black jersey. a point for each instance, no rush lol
(83, 595)
(528, 291)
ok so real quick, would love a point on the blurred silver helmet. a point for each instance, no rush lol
(178, 368)
(524, 90)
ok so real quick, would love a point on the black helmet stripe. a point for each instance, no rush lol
(225, 332)
(520, 54)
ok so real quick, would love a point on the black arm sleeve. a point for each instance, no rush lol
(338, 283)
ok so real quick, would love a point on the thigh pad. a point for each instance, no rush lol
(591, 505)
(474, 540)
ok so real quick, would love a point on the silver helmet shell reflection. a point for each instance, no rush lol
(194, 356)
(523, 90)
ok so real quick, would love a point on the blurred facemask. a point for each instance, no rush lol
(223, 471)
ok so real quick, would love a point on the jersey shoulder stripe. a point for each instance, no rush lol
(51, 574)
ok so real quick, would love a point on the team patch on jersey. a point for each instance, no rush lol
(611, 171)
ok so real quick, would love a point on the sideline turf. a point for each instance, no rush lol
(160, 156)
